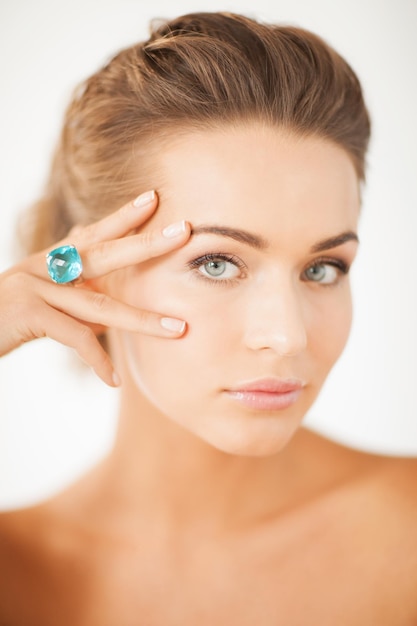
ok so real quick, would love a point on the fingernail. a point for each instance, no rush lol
(173, 230)
(170, 323)
(116, 379)
(144, 199)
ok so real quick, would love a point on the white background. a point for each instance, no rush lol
(55, 418)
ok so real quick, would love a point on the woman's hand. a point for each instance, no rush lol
(32, 305)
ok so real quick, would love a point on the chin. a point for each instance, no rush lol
(263, 437)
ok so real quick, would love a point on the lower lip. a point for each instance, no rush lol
(265, 401)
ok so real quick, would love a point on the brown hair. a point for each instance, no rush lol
(201, 70)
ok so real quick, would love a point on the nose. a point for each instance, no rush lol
(275, 321)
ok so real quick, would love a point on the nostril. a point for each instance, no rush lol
(285, 342)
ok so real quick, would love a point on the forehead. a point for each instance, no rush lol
(258, 177)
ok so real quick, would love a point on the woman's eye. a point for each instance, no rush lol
(326, 273)
(218, 267)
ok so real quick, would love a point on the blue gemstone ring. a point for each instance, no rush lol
(64, 264)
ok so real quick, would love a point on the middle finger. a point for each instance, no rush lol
(108, 256)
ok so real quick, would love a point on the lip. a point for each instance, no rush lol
(269, 385)
(267, 394)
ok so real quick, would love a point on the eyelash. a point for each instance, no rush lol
(339, 264)
(217, 256)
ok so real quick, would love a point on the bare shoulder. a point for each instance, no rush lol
(20, 531)
(377, 492)
(390, 480)
(20, 548)
(24, 535)
(388, 516)
(36, 555)
(26, 529)
(393, 487)
(371, 514)
(386, 475)
(397, 478)
(385, 481)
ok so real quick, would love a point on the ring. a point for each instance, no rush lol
(64, 264)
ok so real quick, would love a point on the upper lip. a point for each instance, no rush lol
(270, 385)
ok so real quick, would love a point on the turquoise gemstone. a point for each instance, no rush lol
(64, 264)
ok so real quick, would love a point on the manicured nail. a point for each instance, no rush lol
(175, 326)
(116, 379)
(173, 230)
(144, 199)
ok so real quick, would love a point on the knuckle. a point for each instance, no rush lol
(147, 240)
(79, 235)
(16, 281)
(86, 335)
(23, 317)
(77, 231)
(18, 292)
(99, 251)
(144, 320)
(23, 308)
(36, 312)
(82, 234)
(100, 301)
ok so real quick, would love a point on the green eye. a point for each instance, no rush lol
(215, 268)
(218, 267)
(325, 273)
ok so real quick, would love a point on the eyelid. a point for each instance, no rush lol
(197, 263)
(342, 266)
(212, 256)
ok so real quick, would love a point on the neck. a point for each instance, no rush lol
(159, 473)
(160, 468)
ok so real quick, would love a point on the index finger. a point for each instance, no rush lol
(118, 223)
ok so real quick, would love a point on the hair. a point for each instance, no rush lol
(201, 70)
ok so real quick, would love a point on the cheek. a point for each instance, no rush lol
(201, 307)
(163, 368)
(176, 376)
(331, 327)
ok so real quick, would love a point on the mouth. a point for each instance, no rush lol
(267, 394)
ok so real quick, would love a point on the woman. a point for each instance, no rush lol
(222, 298)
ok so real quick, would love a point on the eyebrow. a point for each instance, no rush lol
(258, 242)
(333, 242)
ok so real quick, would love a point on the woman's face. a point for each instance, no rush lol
(262, 295)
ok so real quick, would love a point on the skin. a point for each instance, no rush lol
(207, 511)
(268, 320)
(33, 307)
